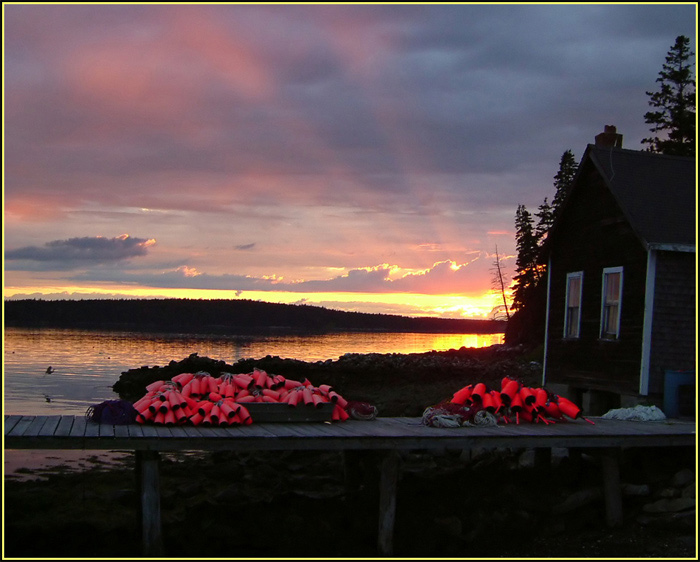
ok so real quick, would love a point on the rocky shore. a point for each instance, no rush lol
(397, 384)
(453, 504)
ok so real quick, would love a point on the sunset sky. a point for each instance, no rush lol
(358, 157)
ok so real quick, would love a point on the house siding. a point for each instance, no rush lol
(594, 235)
(673, 330)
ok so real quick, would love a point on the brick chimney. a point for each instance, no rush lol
(609, 137)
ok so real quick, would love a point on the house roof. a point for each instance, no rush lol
(656, 192)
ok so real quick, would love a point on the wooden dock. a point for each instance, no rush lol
(386, 435)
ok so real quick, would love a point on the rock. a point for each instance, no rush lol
(668, 493)
(635, 489)
(688, 491)
(578, 499)
(527, 459)
(452, 525)
(666, 505)
(683, 478)
(684, 520)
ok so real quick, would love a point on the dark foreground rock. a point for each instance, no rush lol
(457, 504)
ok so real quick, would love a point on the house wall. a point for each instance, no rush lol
(592, 235)
(673, 330)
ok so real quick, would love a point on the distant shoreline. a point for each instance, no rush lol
(224, 317)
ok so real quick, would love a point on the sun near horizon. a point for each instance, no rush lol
(478, 307)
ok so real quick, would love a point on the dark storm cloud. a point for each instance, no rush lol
(338, 137)
(76, 252)
(421, 89)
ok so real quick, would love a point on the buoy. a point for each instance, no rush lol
(487, 402)
(497, 402)
(145, 416)
(242, 380)
(293, 398)
(155, 386)
(181, 416)
(526, 415)
(228, 409)
(195, 387)
(552, 409)
(271, 393)
(338, 399)
(142, 403)
(317, 400)
(516, 404)
(478, 392)
(541, 397)
(169, 418)
(509, 391)
(244, 416)
(339, 414)
(260, 378)
(290, 384)
(183, 378)
(527, 395)
(227, 390)
(174, 400)
(205, 407)
(211, 382)
(463, 395)
(568, 408)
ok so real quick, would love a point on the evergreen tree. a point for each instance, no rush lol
(563, 180)
(545, 216)
(527, 273)
(675, 104)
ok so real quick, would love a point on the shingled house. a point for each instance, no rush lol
(621, 289)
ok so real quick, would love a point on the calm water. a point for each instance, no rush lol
(87, 363)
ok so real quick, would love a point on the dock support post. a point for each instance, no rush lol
(388, 484)
(611, 486)
(149, 492)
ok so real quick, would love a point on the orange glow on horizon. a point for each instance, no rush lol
(477, 306)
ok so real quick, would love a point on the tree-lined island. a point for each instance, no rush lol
(223, 317)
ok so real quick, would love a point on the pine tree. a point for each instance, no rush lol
(527, 273)
(545, 216)
(563, 180)
(675, 104)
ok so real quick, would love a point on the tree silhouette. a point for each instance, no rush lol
(674, 117)
(564, 179)
(498, 282)
(527, 273)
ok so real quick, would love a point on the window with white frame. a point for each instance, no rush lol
(611, 303)
(572, 319)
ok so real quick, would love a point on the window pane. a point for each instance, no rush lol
(574, 291)
(612, 287)
(612, 294)
(573, 305)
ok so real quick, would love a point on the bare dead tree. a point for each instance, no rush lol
(498, 281)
